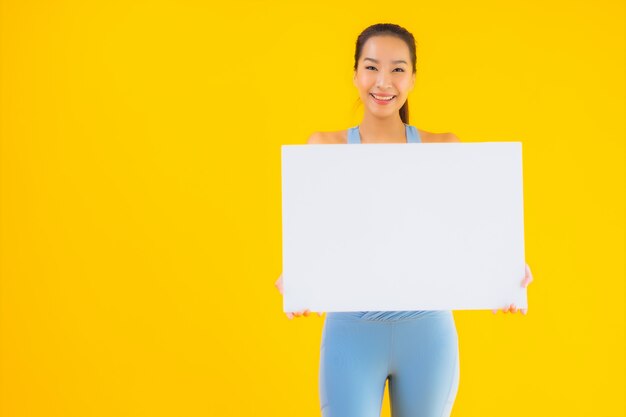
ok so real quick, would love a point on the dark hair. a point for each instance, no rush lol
(391, 30)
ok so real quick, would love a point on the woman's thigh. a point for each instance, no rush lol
(424, 366)
(353, 367)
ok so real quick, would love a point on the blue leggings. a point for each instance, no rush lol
(417, 350)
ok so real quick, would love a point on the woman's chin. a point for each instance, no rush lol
(383, 112)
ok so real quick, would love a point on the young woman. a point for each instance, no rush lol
(416, 350)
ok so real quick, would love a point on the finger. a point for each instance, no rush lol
(494, 311)
(319, 313)
(514, 308)
(289, 316)
(529, 274)
(524, 311)
(306, 312)
(505, 309)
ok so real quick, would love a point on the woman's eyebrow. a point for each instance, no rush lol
(399, 61)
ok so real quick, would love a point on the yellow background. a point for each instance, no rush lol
(141, 213)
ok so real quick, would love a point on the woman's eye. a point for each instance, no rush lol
(370, 66)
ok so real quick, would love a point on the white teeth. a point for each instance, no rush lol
(382, 98)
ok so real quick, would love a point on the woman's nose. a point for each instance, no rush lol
(383, 80)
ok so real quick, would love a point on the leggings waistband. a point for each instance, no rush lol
(385, 316)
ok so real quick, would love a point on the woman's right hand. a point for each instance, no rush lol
(512, 308)
(279, 284)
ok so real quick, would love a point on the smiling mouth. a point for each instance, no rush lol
(379, 98)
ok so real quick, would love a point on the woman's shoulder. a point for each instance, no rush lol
(434, 137)
(327, 138)
(341, 136)
(447, 137)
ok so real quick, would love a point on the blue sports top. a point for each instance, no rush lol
(412, 134)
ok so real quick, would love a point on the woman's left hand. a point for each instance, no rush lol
(527, 280)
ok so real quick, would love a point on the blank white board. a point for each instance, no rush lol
(418, 226)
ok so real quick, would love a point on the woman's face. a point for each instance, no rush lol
(384, 70)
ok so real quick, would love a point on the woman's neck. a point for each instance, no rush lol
(376, 130)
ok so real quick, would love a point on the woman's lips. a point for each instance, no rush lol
(382, 101)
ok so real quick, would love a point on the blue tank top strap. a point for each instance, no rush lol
(412, 134)
(353, 135)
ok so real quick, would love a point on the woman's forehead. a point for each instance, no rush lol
(385, 48)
